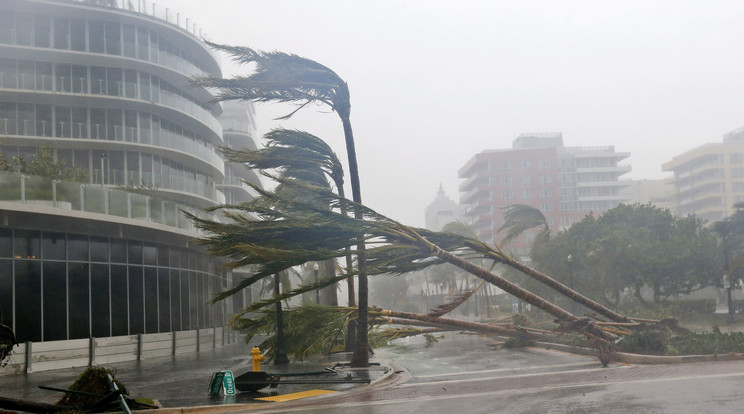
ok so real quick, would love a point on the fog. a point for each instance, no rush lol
(435, 82)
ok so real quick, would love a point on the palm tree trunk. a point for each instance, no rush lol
(505, 285)
(360, 358)
(452, 323)
(566, 291)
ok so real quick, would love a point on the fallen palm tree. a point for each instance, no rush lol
(276, 232)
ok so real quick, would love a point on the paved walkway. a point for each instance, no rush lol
(183, 380)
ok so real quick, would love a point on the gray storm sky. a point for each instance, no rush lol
(435, 82)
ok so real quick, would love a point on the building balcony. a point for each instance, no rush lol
(619, 169)
(477, 194)
(96, 199)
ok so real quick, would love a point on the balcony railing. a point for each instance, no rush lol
(92, 198)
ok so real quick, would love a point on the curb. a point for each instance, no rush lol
(643, 359)
(394, 374)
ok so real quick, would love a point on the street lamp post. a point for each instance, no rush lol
(281, 352)
(317, 292)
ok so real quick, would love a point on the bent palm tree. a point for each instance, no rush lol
(282, 77)
(519, 218)
(294, 231)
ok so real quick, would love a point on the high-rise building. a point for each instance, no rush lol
(441, 211)
(106, 89)
(564, 183)
(709, 180)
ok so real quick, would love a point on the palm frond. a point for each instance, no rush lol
(456, 301)
(519, 218)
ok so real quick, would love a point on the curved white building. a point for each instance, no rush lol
(107, 90)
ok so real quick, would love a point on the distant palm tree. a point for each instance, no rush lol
(282, 77)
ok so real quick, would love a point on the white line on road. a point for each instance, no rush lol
(530, 368)
(401, 401)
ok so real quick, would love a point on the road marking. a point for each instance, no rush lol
(530, 368)
(399, 401)
(479, 379)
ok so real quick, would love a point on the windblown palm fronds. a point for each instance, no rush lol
(519, 218)
(456, 301)
(297, 154)
(282, 77)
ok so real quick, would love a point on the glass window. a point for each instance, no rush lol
(99, 249)
(79, 126)
(136, 301)
(79, 79)
(164, 306)
(97, 123)
(79, 293)
(135, 252)
(53, 246)
(150, 254)
(7, 27)
(175, 300)
(114, 82)
(24, 29)
(55, 301)
(185, 300)
(118, 251)
(174, 257)
(114, 124)
(42, 31)
(98, 80)
(119, 301)
(77, 34)
(5, 243)
(26, 245)
(61, 33)
(44, 125)
(143, 44)
(151, 300)
(99, 289)
(95, 36)
(28, 292)
(6, 292)
(162, 255)
(63, 121)
(113, 38)
(26, 124)
(77, 247)
(129, 42)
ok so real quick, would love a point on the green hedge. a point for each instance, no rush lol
(689, 307)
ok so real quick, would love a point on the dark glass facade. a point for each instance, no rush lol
(106, 287)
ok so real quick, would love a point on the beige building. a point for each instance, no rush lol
(709, 179)
(655, 192)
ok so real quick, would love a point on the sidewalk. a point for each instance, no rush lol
(183, 381)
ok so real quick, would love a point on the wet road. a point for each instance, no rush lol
(460, 373)
(464, 373)
(183, 380)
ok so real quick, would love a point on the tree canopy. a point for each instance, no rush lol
(632, 248)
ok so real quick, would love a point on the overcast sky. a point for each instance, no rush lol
(435, 82)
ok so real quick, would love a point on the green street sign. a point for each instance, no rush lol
(215, 386)
(229, 383)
